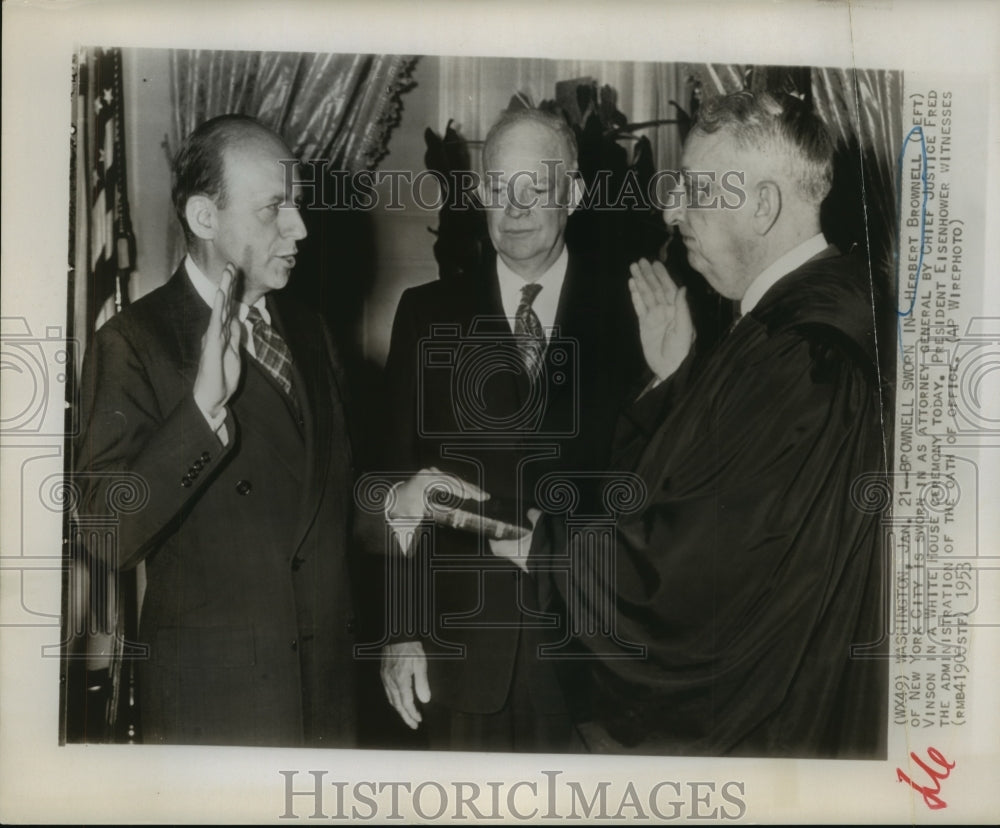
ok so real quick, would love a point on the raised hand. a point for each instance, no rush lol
(219, 367)
(665, 327)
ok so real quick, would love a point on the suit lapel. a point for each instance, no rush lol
(489, 306)
(310, 375)
(491, 321)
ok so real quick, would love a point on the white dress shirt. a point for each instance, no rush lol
(546, 302)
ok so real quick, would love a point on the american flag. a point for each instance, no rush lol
(103, 222)
(101, 603)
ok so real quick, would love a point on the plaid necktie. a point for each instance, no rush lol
(271, 351)
(528, 331)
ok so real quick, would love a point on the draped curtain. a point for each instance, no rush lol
(863, 110)
(340, 107)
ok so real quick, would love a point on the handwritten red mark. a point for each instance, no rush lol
(930, 794)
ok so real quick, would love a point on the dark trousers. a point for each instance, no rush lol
(533, 719)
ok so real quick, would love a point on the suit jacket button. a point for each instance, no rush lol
(244, 487)
(296, 564)
(350, 626)
(295, 645)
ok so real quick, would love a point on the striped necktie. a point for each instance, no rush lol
(271, 351)
(528, 331)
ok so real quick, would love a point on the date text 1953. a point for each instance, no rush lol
(929, 792)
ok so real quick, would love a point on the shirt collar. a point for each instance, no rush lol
(784, 265)
(207, 289)
(546, 302)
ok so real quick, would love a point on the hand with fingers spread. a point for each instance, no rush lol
(404, 675)
(219, 367)
(665, 326)
(428, 493)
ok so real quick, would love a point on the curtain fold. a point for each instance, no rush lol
(338, 107)
(862, 109)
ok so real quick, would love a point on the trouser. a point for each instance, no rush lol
(533, 719)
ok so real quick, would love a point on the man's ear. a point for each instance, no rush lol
(768, 207)
(200, 212)
(575, 191)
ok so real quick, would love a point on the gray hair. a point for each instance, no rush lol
(788, 128)
(553, 123)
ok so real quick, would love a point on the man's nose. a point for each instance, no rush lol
(516, 205)
(675, 211)
(292, 225)
(513, 210)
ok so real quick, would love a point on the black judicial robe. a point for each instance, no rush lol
(755, 564)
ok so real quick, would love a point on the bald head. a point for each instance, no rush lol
(199, 167)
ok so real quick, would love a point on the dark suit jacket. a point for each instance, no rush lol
(753, 574)
(461, 401)
(247, 613)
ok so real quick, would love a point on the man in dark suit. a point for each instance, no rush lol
(753, 573)
(499, 380)
(219, 402)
